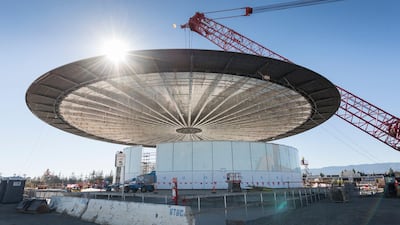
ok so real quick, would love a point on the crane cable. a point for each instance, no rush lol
(286, 5)
(272, 7)
(353, 145)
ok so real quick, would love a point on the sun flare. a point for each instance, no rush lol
(115, 50)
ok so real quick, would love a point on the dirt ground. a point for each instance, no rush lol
(367, 210)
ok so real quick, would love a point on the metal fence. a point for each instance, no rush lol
(208, 206)
(291, 198)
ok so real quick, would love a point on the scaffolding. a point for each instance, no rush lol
(148, 162)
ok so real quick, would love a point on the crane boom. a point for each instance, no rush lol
(226, 38)
(369, 118)
(358, 112)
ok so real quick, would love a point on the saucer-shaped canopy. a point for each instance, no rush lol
(158, 96)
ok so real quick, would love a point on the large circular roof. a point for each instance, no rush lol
(158, 96)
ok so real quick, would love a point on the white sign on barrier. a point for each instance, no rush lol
(119, 159)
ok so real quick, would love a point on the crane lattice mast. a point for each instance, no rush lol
(356, 111)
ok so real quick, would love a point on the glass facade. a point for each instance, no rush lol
(205, 164)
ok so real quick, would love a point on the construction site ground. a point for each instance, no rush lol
(366, 210)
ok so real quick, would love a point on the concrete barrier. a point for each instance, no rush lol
(69, 205)
(108, 212)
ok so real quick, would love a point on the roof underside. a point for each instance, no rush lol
(159, 96)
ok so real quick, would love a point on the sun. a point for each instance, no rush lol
(115, 50)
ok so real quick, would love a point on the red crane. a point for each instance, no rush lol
(365, 116)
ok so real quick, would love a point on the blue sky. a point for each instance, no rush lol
(354, 43)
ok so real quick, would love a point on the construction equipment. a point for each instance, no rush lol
(144, 183)
(367, 117)
(33, 206)
(234, 180)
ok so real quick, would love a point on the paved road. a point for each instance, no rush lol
(9, 216)
(367, 210)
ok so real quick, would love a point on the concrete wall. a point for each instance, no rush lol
(108, 212)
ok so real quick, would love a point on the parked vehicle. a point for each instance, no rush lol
(367, 189)
(143, 183)
(73, 188)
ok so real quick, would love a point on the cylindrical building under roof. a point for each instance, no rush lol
(207, 164)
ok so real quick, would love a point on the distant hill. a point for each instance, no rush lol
(365, 168)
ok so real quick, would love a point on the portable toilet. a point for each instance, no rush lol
(3, 186)
(14, 190)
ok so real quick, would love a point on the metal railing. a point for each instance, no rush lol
(279, 198)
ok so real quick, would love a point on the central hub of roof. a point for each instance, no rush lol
(188, 130)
